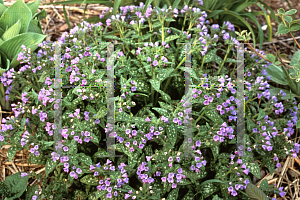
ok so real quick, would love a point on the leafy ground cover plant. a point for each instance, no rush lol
(149, 118)
(19, 25)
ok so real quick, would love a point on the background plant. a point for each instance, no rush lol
(150, 137)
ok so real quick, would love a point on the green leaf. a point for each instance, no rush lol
(81, 194)
(31, 192)
(291, 12)
(255, 193)
(264, 185)
(34, 27)
(261, 114)
(281, 10)
(33, 6)
(116, 6)
(89, 180)
(296, 58)
(41, 15)
(171, 38)
(50, 165)
(97, 194)
(289, 80)
(16, 184)
(275, 92)
(282, 29)
(254, 169)
(12, 31)
(172, 134)
(276, 74)
(84, 159)
(156, 85)
(173, 195)
(211, 181)
(162, 112)
(12, 152)
(12, 47)
(17, 11)
(298, 124)
(288, 19)
(295, 27)
(270, 57)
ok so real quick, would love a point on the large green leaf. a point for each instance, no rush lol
(33, 6)
(13, 31)
(2, 8)
(18, 11)
(276, 74)
(16, 184)
(296, 58)
(34, 27)
(255, 193)
(275, 91)
(12, 47)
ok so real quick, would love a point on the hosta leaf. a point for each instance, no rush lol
(50, 165)
(89, 180)
(255, 193)
(17, 11)
(34, 27)
(33, 6)
(12, 47)
(12, 31)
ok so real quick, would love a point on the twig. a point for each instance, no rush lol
(266, 58)
(280, 58)
(295, 40)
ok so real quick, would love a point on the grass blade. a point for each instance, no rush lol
(116, 6)
(66, 17)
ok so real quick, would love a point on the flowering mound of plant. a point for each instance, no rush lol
(149, 115)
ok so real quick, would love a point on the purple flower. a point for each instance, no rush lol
(155, 63)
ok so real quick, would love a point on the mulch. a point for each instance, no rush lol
(54, 25)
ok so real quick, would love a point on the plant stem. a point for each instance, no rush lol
(169, 79)
(258, 113)
(183, 23)
(295, 40)
(202, 62)
(228, 49)
(251, 100)
(201, 115)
